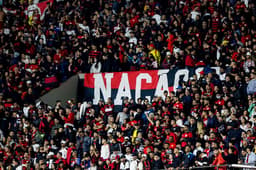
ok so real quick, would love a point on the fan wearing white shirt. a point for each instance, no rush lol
(128, 154)
(195, 13)
(124, 164)
(105, 150)
(63, 149)
(133, 40)
(134, 163)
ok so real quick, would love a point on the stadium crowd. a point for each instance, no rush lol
(209, 120)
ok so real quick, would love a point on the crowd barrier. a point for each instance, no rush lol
(217, 167)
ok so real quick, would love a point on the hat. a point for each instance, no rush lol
(63, 142)
(110, 131)
(168, 53)
(248, 53)
(182, 3)
(144, 155)
(126, 138)
(202, 72)
(179, 123)
(50, 154)
(29, 82)
(152, 45)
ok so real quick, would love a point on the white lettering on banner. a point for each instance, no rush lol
(124, 86)
(148, 79)
(162, 84)
(123, 89)
(217, 69)
(100, 87)
(182, 72)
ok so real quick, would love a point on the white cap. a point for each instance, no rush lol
(168, 53)
(182, 3)
(50, 154)
(28, 82)
(180, 123)
(144, 155)
(126, 137)
(176, 50)
(248, 53)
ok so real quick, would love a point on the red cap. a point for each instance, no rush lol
(152, 45)
(183, 144)
(202, 72)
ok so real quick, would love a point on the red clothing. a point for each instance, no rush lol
(94, 54)
(70, 119)
(219, 160)
(187, 135)
(220, 102)
(132, 123)
(178, 105)
(215, 24)
(174, 136)
(235, 56)
(172, 146)
(134, 20)
(189, 61)
(170, 42)
(64, 52)
(69, 152)
(108, 109)
(146, 148)
(61, 160)
(245, 38)
(56, 58)
(166, 113)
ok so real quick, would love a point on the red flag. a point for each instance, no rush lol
(40, 7)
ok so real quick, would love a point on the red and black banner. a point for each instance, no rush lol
(133, 84)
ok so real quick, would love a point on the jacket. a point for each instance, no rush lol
(156, 54)
(250, 159)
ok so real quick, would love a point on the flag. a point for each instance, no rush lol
(41, 7)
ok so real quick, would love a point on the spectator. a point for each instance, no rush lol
(250, 157)
(208, 120)
(105, 150)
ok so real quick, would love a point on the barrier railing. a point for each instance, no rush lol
(228, 166)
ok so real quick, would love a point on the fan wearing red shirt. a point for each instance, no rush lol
(219, 101)
(108, 107)
(57, 56)
(165, 111)
(178, 105)
(171, 142)
(208, 90)
(148, 148)
(60, 159)
(186, 135)
(69, 120)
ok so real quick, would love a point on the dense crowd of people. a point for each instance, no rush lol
(208, 120)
